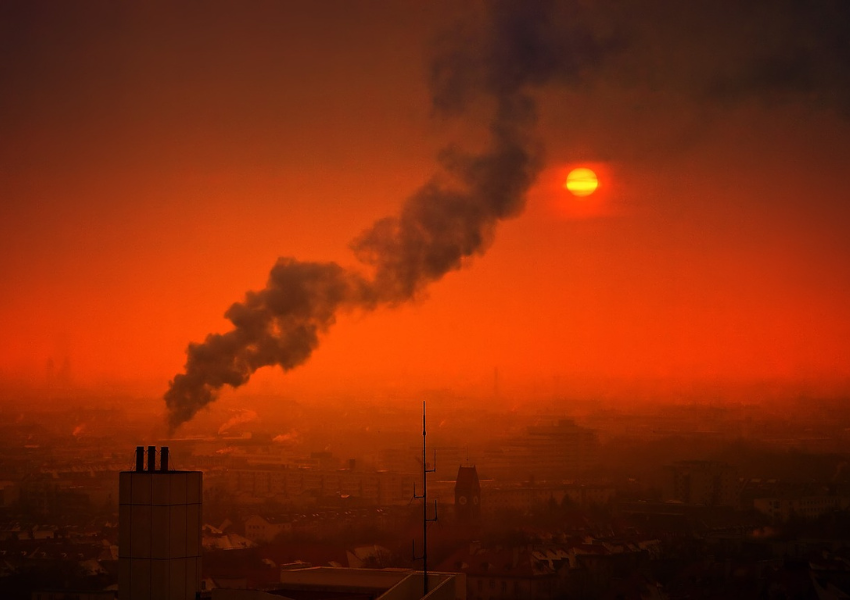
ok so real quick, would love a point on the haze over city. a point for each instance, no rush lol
(158, 160)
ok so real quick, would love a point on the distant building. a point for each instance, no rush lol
(467, 494)
(526, 572)
(303, 486)
(520, 498)
(159, 543)
(589, 494)
(494, 573)
(702, 483)
(265, 529)
(546, 453)
(9, 493)
(527, 497)
(806, 505)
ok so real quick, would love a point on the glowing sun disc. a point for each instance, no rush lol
(581, 182)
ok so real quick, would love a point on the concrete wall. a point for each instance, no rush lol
(159, 535)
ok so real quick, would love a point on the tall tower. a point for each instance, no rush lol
(467, 494)
(159, 530)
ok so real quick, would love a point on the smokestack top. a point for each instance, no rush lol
(149, 465)
(140, 459)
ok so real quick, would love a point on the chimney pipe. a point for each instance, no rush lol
(140, 459)
(163, 459)
(151, 459)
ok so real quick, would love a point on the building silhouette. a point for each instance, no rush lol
(702, 483)
(467, 494)
(552, 452)
(159, 543)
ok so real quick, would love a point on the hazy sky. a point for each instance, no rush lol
(157, 158)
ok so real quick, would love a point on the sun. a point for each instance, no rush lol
(581, 182)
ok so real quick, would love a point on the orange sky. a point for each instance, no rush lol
(156, 162)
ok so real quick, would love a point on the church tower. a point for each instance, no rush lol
(467, 494)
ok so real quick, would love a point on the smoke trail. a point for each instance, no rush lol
(243, 416)
(447, 220)
(279, 325)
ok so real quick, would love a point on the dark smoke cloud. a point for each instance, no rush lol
(450, 218)
(796, 49)
(727, 50)
(711, 51)
(439, 226)
(524, 44)
(279, 325)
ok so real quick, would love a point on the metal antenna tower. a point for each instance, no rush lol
(424, 498)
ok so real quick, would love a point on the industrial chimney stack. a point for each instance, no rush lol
(159, 530)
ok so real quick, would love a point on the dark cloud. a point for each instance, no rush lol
(279, 325)
(711, 51)
(452, 217)
(729, 51)
(521, 45)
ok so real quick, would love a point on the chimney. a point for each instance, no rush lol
(139, 564)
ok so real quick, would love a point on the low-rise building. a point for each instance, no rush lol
(503, 572)
(702, 483)
(805, 505)
(264, 529)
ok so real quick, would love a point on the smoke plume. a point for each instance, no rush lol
(243, 416)
(450, 218)
(709, 51)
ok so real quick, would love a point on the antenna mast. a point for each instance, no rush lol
(424, 498)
